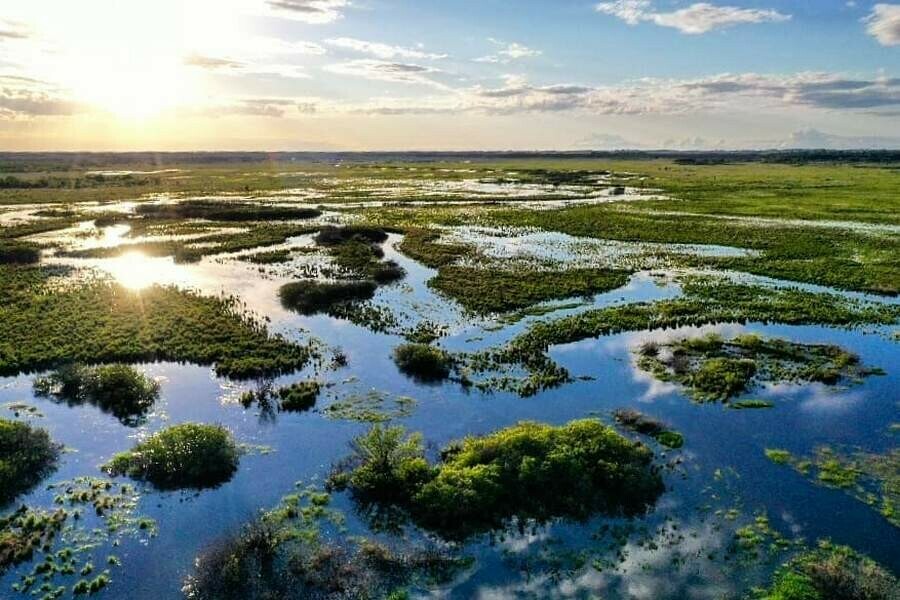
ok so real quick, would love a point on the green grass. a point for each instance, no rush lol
(713, 368)
(705, 301)
(42, 328)
(27, 455)
(189, 455)
(638, 422)
(118, 389)
(486, 290)
(225, 211)
(423, 362)
(529, 470)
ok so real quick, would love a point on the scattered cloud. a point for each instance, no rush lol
(382, 70)
(508, 52)
(228, 66)
(309, 11)
(13, 30)
(813, 138)
(383, 51)
(24, 97)
(695, 19)
(884, 24)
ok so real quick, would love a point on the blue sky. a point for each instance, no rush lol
(449, 74)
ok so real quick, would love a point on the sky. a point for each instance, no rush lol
(96, 75)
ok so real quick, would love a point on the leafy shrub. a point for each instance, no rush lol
(423, 362)
(19, 253)
(832, 572)
(189, 455)
(722, 378)
(120, 390)
(529, 470)
(310, 297)
(332, 236)
(299, 396)
(27, 455)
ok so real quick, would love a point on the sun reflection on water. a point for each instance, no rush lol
(136, 271)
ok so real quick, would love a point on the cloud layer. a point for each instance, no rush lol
(696, 19)
(884, 24)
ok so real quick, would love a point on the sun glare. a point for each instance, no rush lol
(127, 58)
(137, 271)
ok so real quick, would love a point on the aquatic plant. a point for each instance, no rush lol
(423, 362)
(189, 455)
(333, 235)
(120, 390)
(487, 290)
(18, 253)
(285, 554)
(27, 455)
(299, 396)
(716, 369)
(831, 572)
(529, 471)
(638, 422)
(106, 323)
(226, 211)
(311, 297)
(870, 478)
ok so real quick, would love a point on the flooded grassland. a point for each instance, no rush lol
(519, 379)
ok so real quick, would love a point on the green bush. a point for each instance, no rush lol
(423, 362)
(27, 455)
(120, 390)
(311, 297)
(189, 455)
(299, 396)
(529, 470)
(832, 572)
(19, 253)
(723, 378)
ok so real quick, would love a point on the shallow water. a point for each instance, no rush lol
(722, 465)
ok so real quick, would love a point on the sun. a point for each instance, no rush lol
(127, 58)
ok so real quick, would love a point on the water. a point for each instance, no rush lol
(721, 466)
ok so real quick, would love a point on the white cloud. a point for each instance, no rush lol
(13, 30)
(309, 11)
(382, 51)
(382, 70)
(508, 52)
(695, 19)
(884, 24)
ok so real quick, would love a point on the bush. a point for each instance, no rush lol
(118, 389)
(832, 572)
(332, 236)
(530, 471)
(310, 297)
(299, 396)
(423, 362)
(19, 253)
(183, 456)
(27, 455)
(722, 378)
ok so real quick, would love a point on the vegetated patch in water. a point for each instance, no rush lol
(715, 369)
(92, 515)
(871, 478)
(19, 253)
(118, 389)
(225, 211)
(27, 456)
(424, 362)
(188, 455)
(103, 322)
(529, 471)
(370, 407)
(286, 553)
(705, 300)
(638, 422)
(831, 572)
